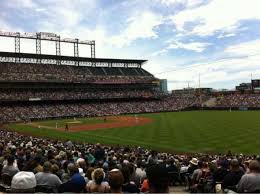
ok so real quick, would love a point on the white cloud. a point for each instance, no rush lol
(193, 46)
(226, 35)
(186, 3)
(245, 48)
(212, 73)
(139, 26)
(171, 2)
(21, 4)
(217, 15)
(159, 53)
(194, 3)
(27, 3)
(173, 44)
(40, 9)
(64, 17)
(242, 61)
(69, 16)
(234, 71)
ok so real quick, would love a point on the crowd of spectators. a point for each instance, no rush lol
(29, 164)
(75, 94)
(68, 73)
(25, 112)
(239, 100)
(42, 110)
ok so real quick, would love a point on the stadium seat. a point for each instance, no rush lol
(7, 179)
(173, 177)
(44, 189)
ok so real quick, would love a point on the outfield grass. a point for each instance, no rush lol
(195, 131)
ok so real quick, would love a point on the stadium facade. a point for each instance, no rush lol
(38, 86)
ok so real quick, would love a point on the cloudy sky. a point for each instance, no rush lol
(182, 39)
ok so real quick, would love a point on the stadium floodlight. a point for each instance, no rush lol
(12, 34)
(28, 35)
(48, 36)
(71, 40)
(87, 42)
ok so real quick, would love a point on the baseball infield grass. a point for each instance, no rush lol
(182, 132)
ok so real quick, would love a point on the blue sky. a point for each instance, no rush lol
(218, 39)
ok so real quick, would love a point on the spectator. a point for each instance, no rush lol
(89, 173)
(157, 176)
(23, 182)
(197, 173)
(221, 171)
(99, 153)
(115, 180)
(90, 158)
(233, 177)
(128, 186)
(76, 183)
(38, 165)
(193, 165)
(172, 171)
(47, 178)
(250, 183)
(10, 169)
(140, 172)
(152, 159)
(145, 186)
(97, 184)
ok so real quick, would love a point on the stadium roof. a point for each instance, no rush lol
(19, 56)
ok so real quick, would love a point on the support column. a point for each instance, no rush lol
(93, 50)
(76, 51)
(58, 52)
(38, 46)
(17, 46)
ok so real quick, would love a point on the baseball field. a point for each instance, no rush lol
(182, 132)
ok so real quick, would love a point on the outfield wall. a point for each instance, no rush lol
(193, 108)
(221, 108)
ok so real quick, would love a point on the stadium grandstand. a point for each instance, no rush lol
(64, 86)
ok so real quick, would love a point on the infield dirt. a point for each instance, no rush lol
(111, 122)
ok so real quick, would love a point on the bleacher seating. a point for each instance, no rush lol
(68, 73)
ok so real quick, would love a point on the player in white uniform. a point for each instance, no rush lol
(136, 119)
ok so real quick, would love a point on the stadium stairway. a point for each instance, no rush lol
(121, 71)
(210, 103)
(178, 189)
(137, 72)
(104, 70)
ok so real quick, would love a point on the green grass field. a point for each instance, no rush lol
(195, 131)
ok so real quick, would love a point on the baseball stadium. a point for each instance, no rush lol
(116, 101)
(116, 108)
